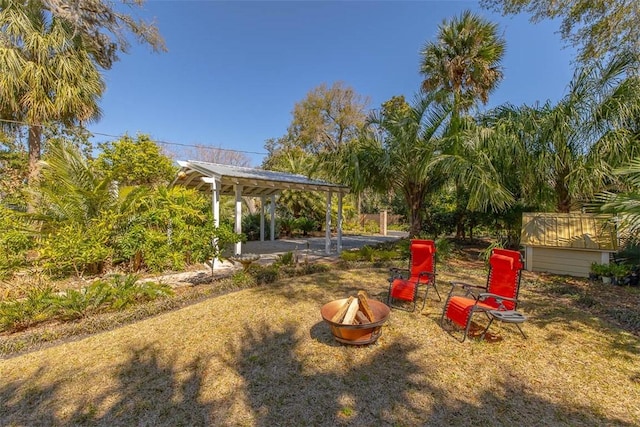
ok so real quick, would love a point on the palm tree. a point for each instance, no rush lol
(70, 191)
(627, 203)
(294, 159)
(573, 146)
(395, 153)
(462, 67)
(463, 64)
(47, 75)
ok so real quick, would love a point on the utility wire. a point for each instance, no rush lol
(207, 147)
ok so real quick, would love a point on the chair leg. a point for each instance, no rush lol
(424, 301)
(437, 293)
(514, 323)
(470, 318)
(484, 333)
(520, 329)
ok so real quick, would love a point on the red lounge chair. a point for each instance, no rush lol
(404, 285)
(499, 295)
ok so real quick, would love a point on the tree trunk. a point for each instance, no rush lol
(460, 212)
(415, 201)
(564, 198)
(35, 136)
(35, 142)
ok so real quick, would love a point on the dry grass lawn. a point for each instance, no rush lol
(263, 357)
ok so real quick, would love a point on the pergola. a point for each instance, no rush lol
(238, 181)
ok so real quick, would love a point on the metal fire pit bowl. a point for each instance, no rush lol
(356, 334)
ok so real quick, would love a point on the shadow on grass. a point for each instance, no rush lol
(386, 387)
(284, 390)
(25, 403)
(282, 386)
(511, 402)
(148, 391)
(588, 308)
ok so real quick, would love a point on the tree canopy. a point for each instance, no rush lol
(138, 161)
(574, 145)
(463, 63)
(103, 28)
(327, 118)
(47, 74)
(596, 27)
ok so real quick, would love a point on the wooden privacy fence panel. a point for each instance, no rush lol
(570, 231)
(391, 219)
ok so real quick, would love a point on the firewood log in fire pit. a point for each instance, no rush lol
(355, 311)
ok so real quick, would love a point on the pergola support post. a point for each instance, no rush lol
(339, 224)
(215, 206)
(327, 239)
(272, 213)
(262, 200)
(238, 217)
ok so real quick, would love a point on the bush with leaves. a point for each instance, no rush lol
(15, 240)
(167, 229)
(138, 161)
(264, 275)
(73, 248)
(286, 258)
(251, 226)
(36, 307)
(287, 225)
(43, 304)
(306, 225)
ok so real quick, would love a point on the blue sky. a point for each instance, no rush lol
(235, 69)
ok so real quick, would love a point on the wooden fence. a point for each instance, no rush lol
(572, 230)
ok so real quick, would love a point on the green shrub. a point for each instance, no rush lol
(353, 255)
(243, 279)
(371, 227)
(73, 248)
(127, 290)
(403, 248)
(386, 255)
(37, 307)
(73, 305)
(286, 258)
(251, 226)
(367, 253)
(315, 268)
(287, 225)
(305, 225)
(168, 229)
(443, 249)
(264, 275)
(610, 270)
(15, 240)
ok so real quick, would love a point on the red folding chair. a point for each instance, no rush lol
(498, 296)
(405, 285)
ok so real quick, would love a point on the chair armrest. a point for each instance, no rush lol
(499, 298)
(398, 273)
(466, 285)
(429, 276)
(468, 289)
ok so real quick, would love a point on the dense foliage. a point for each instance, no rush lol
(597, 28)
(138, 161)
(446, 169)
(84, 223)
